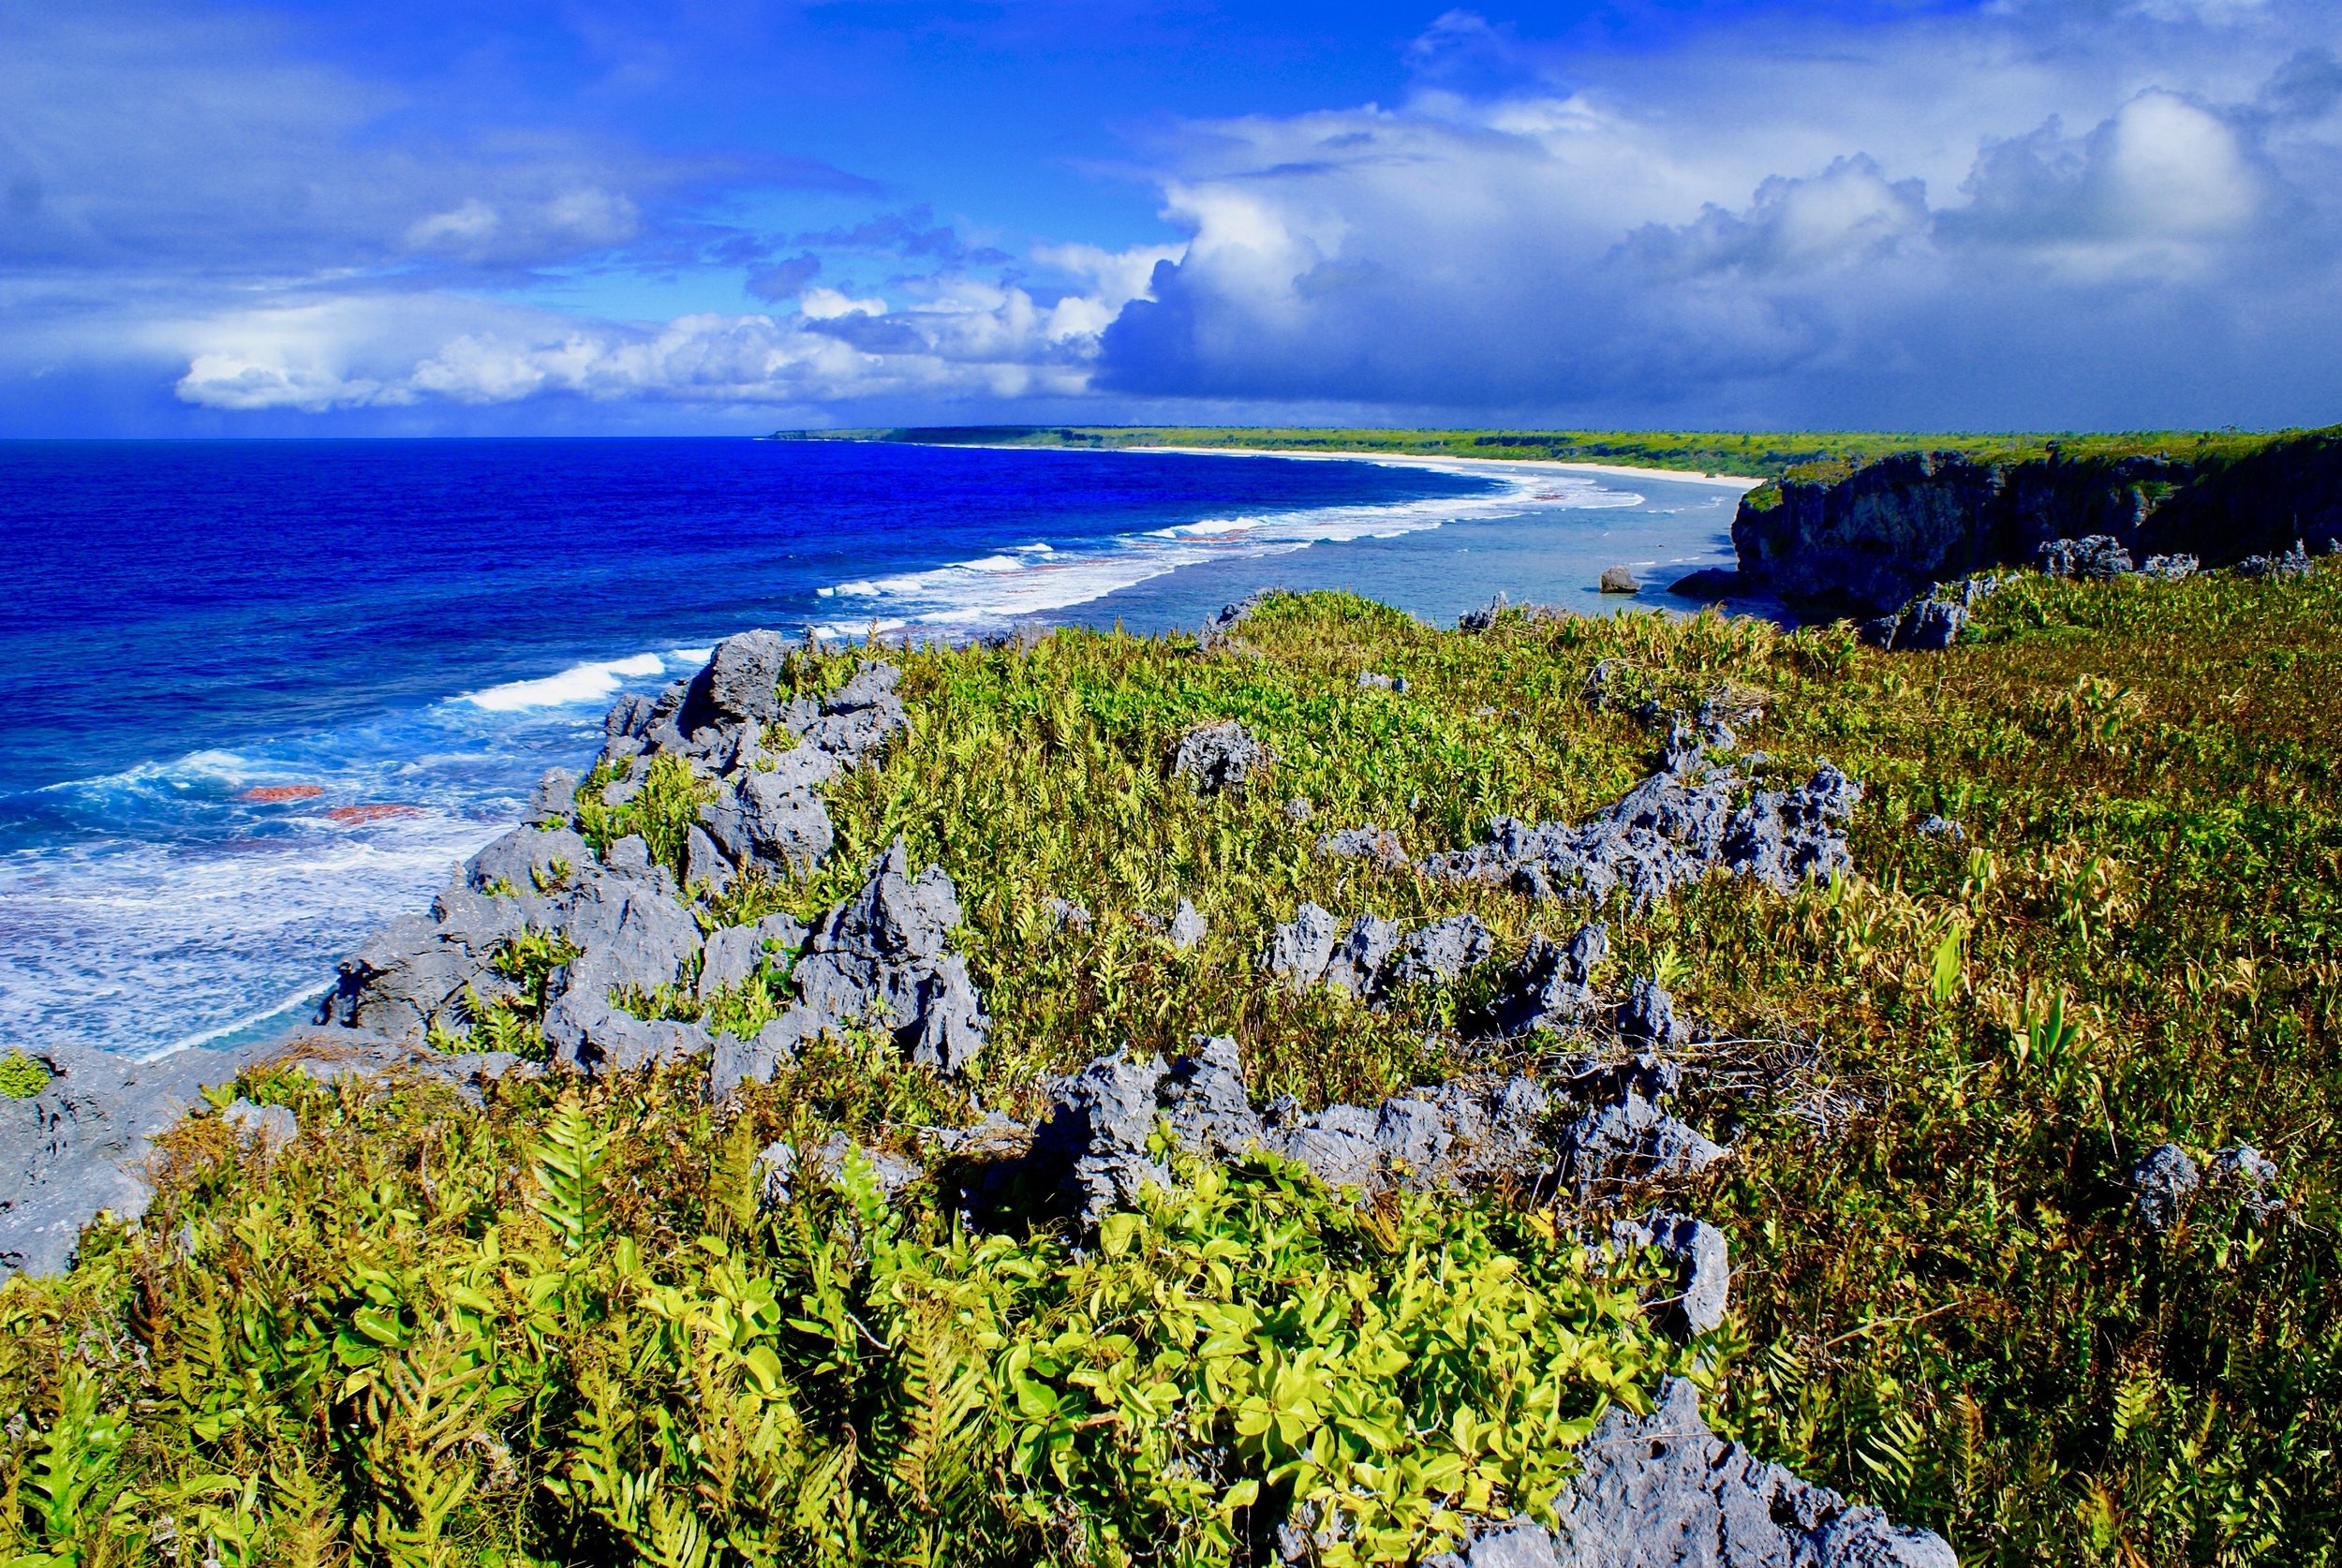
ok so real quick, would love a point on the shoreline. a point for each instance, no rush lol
(1456, 465)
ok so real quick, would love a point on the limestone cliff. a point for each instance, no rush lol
(1863, 542)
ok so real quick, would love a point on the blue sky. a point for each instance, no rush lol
(722, 216)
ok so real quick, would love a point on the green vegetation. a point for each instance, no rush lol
(563, 1327)
(20, 1076)
(1803, 454)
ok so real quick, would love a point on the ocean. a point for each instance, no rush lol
(265, 694)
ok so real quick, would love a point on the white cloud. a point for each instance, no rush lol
(967, 339)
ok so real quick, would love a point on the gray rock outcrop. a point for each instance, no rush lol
(1551, 986)
(1219, 758)
(2094, 558)
(77, 1146)
(2161, 1182)
(1093, 1144)
(1702, 1263)
(1663, 1491)
(1377, 844)
(1444, 950)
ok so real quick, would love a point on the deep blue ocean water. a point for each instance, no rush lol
(407, 634)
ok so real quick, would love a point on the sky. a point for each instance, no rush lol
(598, 217)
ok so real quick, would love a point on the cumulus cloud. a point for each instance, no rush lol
(967, 339)
(1596, 241)
(2035, 213)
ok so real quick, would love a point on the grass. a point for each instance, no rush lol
(559, 1328)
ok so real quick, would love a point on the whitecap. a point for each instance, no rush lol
(590, 682)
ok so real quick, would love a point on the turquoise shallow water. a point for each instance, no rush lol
(265, 694)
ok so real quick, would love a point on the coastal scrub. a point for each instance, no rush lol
(593, 1321)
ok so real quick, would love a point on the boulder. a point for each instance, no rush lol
(1358, 959)
(79, 1145)
(1626, 1139)
(734, 952)
(1617, 580)
(880, 956)
(265, 1128)
(1550, 985)
(1648, 1014)
(2096, 558)
(761, 820)
(776, 1167)
(1444, 950)
(2171, 568)
(739, 683)
(2251, 1175)
(1219, 758)
(554, 801)
(1663, 1491)
(1667, 832)
(2288, 563)
(1702, 1263)
(1379, 845)
(1187, 927)
(2161, 1182)
(1301, 948)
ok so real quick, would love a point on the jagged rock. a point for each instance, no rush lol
(734, 952)
(2291, 563)
(1221, 757)
(2161, 1183)
(1617, 580)
(857, 719)
(1709, 583)
(1550, 984)
(1444, 950)
(1663, 1491)
(551, 803)
(1626, 1138)
(734, 1062)
(1066, 915)
(528, 860)
(738, 685)
(763, 818)
(1942, 827)
(1301, 948)
(1096, 1134)
(1357, 960)
(1667, 832)
(1930, 626)
(705, 865)
(79, 1145)
(629, 715)
(2171, 568)
(881, 954)
(1702, 1259)
(1370, 680)
(1377, 844)
(267, 1128)
(1091, 1146)
(2096, 558)
(2244, 1169)
(1648, 1014)
(1187, 927)
(1299, 810)
(777, 1168)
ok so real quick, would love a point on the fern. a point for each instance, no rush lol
(567, 1161)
